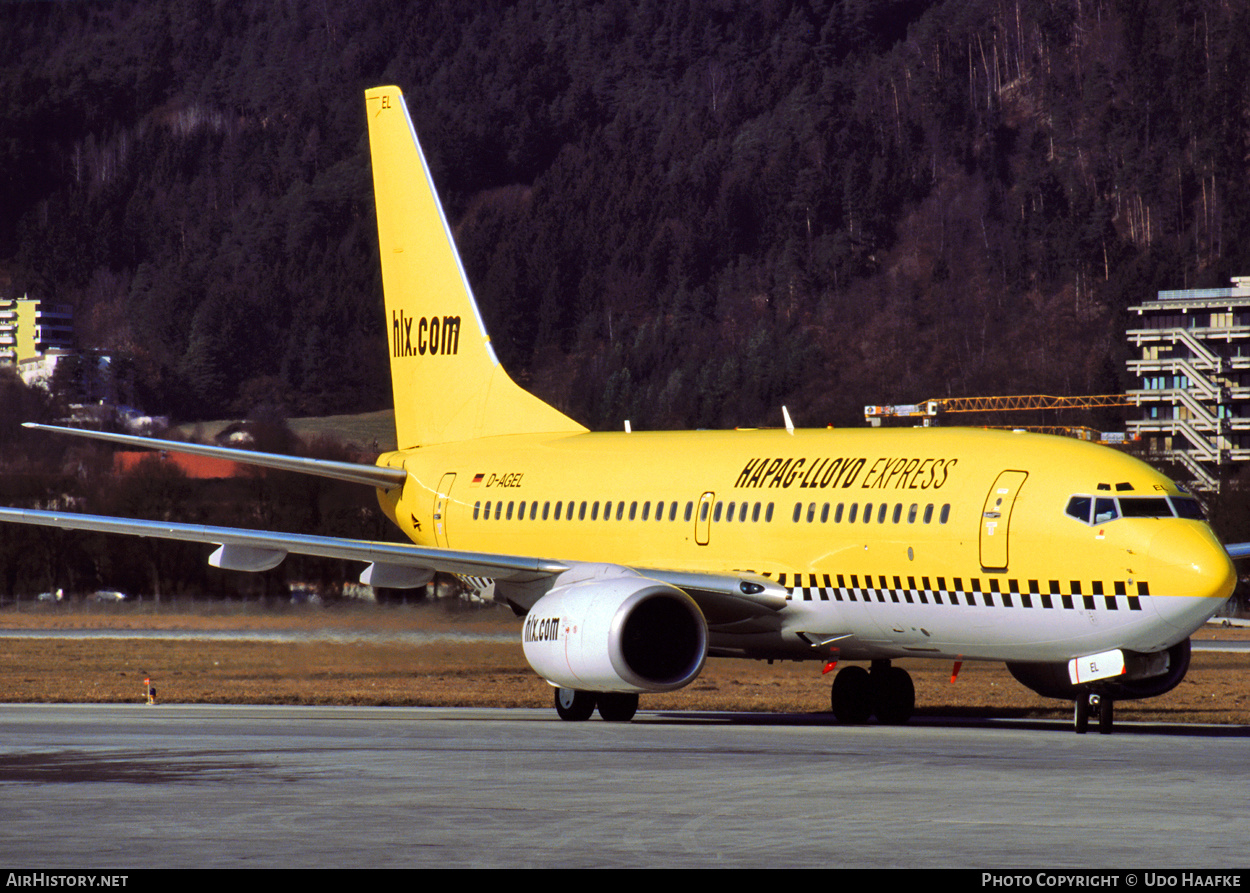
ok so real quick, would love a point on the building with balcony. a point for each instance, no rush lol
(1193, 372)
(30, 328)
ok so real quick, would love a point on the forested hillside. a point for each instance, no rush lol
(680, 212)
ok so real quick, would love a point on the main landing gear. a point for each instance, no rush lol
(1088, 702)
(886, 692)
(576, 706)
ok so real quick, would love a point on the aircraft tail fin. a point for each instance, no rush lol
(447, 383)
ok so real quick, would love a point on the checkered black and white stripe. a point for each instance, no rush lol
(1120, 595)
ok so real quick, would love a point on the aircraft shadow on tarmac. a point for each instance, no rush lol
(1006, 720)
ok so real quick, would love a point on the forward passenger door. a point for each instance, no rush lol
(996, 519)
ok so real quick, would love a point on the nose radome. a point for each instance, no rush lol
(1189, 574)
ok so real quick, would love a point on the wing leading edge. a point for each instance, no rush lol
(399, 555)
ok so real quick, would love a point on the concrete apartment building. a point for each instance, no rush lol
(1193, 370)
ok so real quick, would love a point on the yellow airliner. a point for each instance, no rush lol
(635, 556)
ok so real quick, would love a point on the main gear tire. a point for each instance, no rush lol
(574, 706)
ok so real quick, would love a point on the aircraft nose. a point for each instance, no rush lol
(1190, 573)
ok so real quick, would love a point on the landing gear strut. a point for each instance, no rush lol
(887, 692)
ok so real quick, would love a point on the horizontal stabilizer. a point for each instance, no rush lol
(369, 475)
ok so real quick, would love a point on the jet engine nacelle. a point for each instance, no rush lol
(1145, 676)
(607, 628)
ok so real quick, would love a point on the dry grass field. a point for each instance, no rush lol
(354, 655)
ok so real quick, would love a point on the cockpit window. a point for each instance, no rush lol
(1104, 510)
(1145, 507)
(1100, 510)
(1187, 507)
(1078, 507)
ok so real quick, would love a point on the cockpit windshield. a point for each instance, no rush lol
(1101, 509)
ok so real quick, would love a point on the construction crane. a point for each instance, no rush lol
(930, 411)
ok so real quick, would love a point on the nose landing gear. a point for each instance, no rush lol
(1086, 703)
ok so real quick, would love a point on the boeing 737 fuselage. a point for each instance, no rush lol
(634, 556)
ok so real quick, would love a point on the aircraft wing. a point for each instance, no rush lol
(1238, 550)
(278, 545)
(371, 475)
(724, 598)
